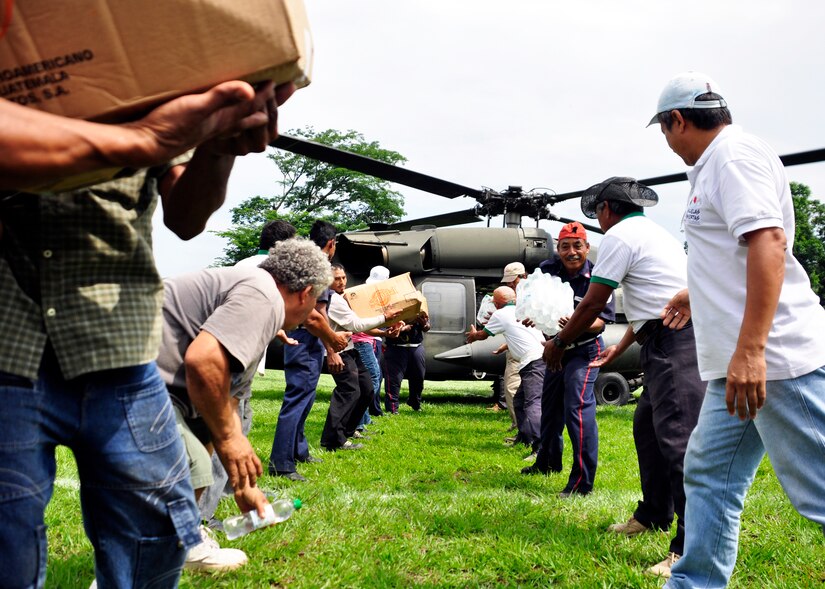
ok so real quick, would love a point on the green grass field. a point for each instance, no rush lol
(436, 500)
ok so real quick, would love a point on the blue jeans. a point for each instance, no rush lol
(367, 352)
(302, 369)
(721, 461)
(138, 505)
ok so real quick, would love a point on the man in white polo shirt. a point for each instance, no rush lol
(526, 345)
(758, 328)
(651, 266)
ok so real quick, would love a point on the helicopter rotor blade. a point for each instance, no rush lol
(373, 167)
(444, 220)
(670, 178)
(791, 159)
(803, 157)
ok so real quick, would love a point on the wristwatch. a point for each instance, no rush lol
(557, 341)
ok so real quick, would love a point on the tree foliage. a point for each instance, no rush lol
(809, 239)
(308, 190)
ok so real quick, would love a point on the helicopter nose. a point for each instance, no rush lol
(458, 355)
(477, 355)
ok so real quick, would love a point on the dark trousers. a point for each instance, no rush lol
(350, 398)
(496, 394)
(665, 416)
(401, 361)
(568, 401)
(302, 369)
(527, 402)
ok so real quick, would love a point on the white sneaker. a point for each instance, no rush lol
(208, 556)
(93, 585)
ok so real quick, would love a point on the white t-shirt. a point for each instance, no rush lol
(343, 318)
(253, 261)
(737, 186)
(648, 262)
(526, 344)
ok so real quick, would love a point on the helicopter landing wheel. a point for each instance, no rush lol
(611, 388)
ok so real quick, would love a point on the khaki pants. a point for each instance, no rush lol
(200, 462)
(510, 385)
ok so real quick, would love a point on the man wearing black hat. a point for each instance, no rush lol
(651, 266)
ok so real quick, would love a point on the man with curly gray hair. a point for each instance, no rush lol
(217, 325)
(296, 264)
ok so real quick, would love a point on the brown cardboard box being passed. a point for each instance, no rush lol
(112, 60)
(369, 300)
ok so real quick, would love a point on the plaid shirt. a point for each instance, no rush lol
(76, 270)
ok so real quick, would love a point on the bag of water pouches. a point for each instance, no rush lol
(544, 299)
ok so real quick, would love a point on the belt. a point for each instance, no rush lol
(579, 344)
(648, 330)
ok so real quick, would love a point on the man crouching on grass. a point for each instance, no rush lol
(217, 324)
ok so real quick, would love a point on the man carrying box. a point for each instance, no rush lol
(81, 327)
(39, 147)
(405, 358)
(353, 383)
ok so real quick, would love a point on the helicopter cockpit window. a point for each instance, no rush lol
(447, 305)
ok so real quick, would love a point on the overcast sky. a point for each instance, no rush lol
(540, 93)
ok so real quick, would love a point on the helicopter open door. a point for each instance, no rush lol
(451, 301)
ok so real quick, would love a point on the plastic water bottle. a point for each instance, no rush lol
(275, 512)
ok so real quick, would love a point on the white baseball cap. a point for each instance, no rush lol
(377, 274)
(512, 271)
(682, 90)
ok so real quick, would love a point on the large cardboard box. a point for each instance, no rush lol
(369, 300)
(108, 60)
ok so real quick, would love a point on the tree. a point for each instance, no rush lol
(311, 190)
(809, 240)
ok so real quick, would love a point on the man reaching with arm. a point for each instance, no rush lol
(525, 344)
(651, 267)
(217, 324)
(302, 369)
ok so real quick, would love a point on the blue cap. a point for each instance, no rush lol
(682, 90)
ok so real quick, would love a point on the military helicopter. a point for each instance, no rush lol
(453, 266)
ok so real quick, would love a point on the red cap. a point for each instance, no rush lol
(574, 229)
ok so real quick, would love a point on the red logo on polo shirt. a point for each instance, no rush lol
(693, 210)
